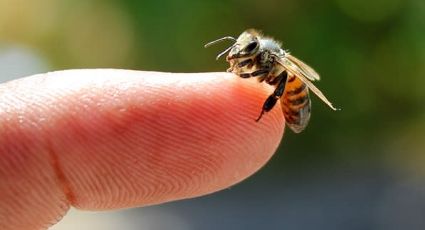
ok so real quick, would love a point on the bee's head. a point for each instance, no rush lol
(246, 45)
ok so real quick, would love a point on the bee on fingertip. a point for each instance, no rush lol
(255, 55)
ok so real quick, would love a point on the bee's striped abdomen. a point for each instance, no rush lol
(296, 104)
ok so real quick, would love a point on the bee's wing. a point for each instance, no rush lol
(306, 69)
(298, 72)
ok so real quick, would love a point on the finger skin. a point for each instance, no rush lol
(107, 139)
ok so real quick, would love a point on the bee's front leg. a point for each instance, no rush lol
(243, 68)
(261, 73)
(247, 64)
(272, 99)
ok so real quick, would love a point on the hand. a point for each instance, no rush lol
(109, 139)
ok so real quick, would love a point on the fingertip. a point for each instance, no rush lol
(167, 137)
(129, 138)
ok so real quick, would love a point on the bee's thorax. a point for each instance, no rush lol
(271, 45)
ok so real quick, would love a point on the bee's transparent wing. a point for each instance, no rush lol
(298, 72)
(306, 69)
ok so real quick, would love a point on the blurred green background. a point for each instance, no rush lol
(358, 168)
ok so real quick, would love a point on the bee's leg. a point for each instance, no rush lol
(245, 75)
(262, 73)
(254, 74)
(272, 99)
(277, 79)
(262, 78)
(247, 62)
(267, 106)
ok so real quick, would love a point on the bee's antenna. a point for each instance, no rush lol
(219, 40)
(224, 52)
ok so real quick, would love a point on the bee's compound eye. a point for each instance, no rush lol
(251, 46)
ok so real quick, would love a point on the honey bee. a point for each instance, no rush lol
(254, 55)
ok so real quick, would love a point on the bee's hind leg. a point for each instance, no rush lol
(272, 99)
(267, 106)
